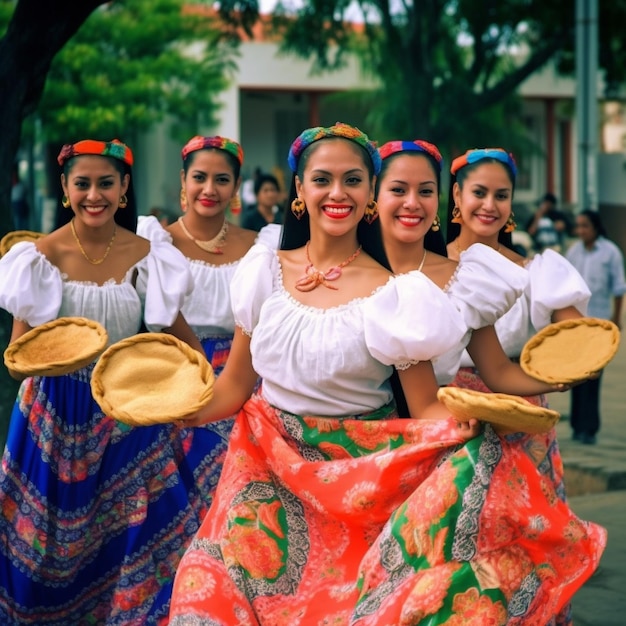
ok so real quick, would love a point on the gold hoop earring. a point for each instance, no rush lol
(456, 216)
(183, 200)
(298, 208)
(123, 203)
(65, 201)
(510, 224)
(436, 225)
(371, 211)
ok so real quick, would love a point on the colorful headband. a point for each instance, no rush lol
(220, 143)
(114, 148)
(478, 154)
(393, 147)
(310, 135)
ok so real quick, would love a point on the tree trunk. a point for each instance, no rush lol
(36, 32)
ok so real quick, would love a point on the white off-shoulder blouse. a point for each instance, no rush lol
(484, 287)
(553, 283)
(35, 291)
(207, 308)
(337, 361)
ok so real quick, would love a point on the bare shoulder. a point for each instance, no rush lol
(56, 244)
(513, 256)
(439, 269)
(243, 235)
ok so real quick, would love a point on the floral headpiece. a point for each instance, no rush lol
(221, 143)
(478, 154)
(393, 147)
(114, 148)
(310, 135)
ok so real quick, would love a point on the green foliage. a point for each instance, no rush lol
(446, 70)
(132, 63)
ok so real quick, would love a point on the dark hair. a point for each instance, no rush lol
(233, 162)
(452, 229)
(433, 240)
(386, 162)
(126, 217)
(596, 222)
(261, 179)
(548, 197)
(296, 232)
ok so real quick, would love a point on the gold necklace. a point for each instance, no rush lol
(314, 278)
(82, 250)
(421, 265)
(458, 247)
(214, 246)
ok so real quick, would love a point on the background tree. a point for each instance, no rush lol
(104, 73)
(35, 32)
(448, 70)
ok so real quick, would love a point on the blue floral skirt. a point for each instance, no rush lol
(94, 514)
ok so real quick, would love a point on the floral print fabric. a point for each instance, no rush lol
(375, 520)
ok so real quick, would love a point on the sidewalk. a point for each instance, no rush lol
(595, 478)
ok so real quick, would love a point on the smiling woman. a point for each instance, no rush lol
(331, 508)
(83, 498)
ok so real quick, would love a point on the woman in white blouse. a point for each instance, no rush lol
(482, 287)
(94, 514)
(210, 178)
(331, 509)
(480, 210)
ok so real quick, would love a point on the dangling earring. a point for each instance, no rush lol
(65, 201)
(298, 207)
(123, 203)
(371, 211)
(456, 216)
(436, 225)
(183, 200)
(510, 224)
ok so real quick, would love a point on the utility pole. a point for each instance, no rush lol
(587, 102)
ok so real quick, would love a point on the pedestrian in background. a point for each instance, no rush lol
(601, 264)
(549, 226)
(266, 210)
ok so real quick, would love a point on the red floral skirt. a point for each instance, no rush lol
(377, 520)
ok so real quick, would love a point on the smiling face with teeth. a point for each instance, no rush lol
(485, 198)
(335, 185)
(94, 185)
(408, 196)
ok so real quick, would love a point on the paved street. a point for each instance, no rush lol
(596, 485)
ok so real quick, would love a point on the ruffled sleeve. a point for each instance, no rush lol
(554, 284)
(252, 283)
(269, 236)
(163, 282)
(486, 285)
(150, 228)
(31, 288)
(411, 320)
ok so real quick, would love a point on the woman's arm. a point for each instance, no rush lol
(181, 330)
(420, 390)
(568, 313)
(233, 386)
(19, 328)
(498, 372)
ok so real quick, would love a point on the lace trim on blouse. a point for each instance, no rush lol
(405, 365)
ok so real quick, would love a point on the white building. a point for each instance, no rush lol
(273, 97)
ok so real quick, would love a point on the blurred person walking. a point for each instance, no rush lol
(601, 264)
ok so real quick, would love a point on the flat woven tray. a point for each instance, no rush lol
(570, 351)
(151, 378)
(58, 347)
(15, 236)
(504, 412)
